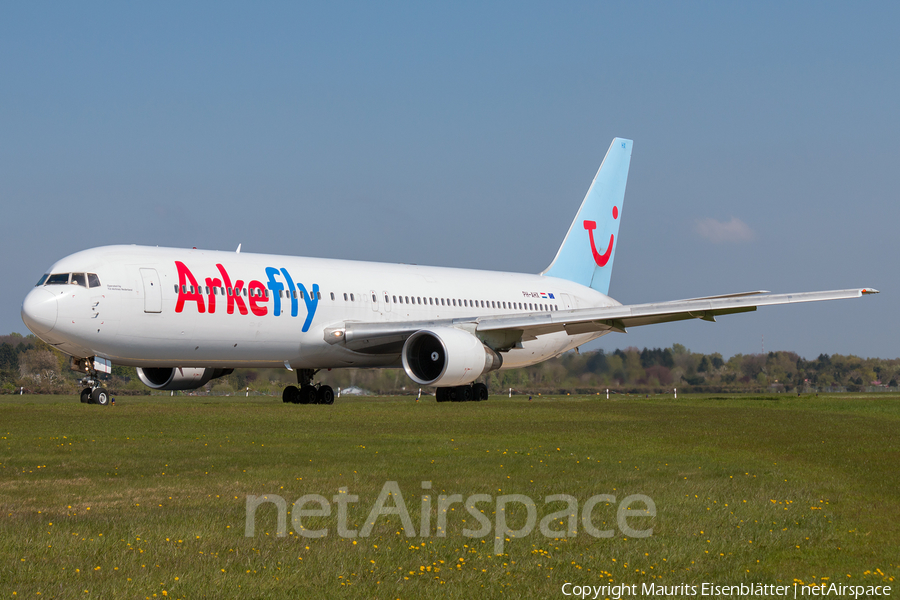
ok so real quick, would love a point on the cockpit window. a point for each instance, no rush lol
(43, 279)
(82, 279)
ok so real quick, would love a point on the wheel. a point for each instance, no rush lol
(100, 396)
(441, 394)
(461, 393)
(326, 395)
(465, 393)
(308, 395)
(86, 396)
(479, 392)
(291, 394)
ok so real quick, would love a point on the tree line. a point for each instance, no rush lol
(29, 364)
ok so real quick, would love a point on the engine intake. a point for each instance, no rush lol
(445, 356)
(179, 378)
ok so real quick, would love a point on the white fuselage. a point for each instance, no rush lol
(167, 307)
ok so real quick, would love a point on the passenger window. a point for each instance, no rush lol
(332, 295)
(395, 299)
(58, 279)
(431, 301)
(318, 295)
(454, 302)
(386, 301)
(442, 302)
(176, 288)
(374, 299)
(79, 279)
(407, 299)
(352, 299)
(345, 297)
(303, 296)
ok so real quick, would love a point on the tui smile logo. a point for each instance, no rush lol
(601, 259)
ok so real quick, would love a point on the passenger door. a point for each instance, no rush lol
(152, 291)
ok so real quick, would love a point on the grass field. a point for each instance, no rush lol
(147, 499)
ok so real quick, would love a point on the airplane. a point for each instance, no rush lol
(184, 317)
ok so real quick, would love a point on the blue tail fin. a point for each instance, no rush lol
(586, 255)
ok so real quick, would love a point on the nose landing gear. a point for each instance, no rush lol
(308, 393)
(93, 391)
(94, 394)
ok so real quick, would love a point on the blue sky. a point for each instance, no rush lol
(464, 134)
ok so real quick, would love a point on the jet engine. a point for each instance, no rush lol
(445, 357)
(178, 378)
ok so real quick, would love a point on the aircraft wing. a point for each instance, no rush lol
(502, 332)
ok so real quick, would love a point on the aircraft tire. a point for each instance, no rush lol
(308, 395)
(479, 392)
(440, 394)
(100, 396)
(461, 393)
(291, 394)
(326, 395)
(86, 396)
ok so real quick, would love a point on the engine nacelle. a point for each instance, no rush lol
(445, 357)
(179, 378)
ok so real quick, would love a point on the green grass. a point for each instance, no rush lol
(146, 499)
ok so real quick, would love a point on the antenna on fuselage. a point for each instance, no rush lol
(238, 251)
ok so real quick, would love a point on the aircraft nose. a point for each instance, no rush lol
(39, 311)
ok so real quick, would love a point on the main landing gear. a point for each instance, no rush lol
(477, 392)
(308, 393)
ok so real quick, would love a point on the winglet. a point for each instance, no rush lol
(868, 291)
